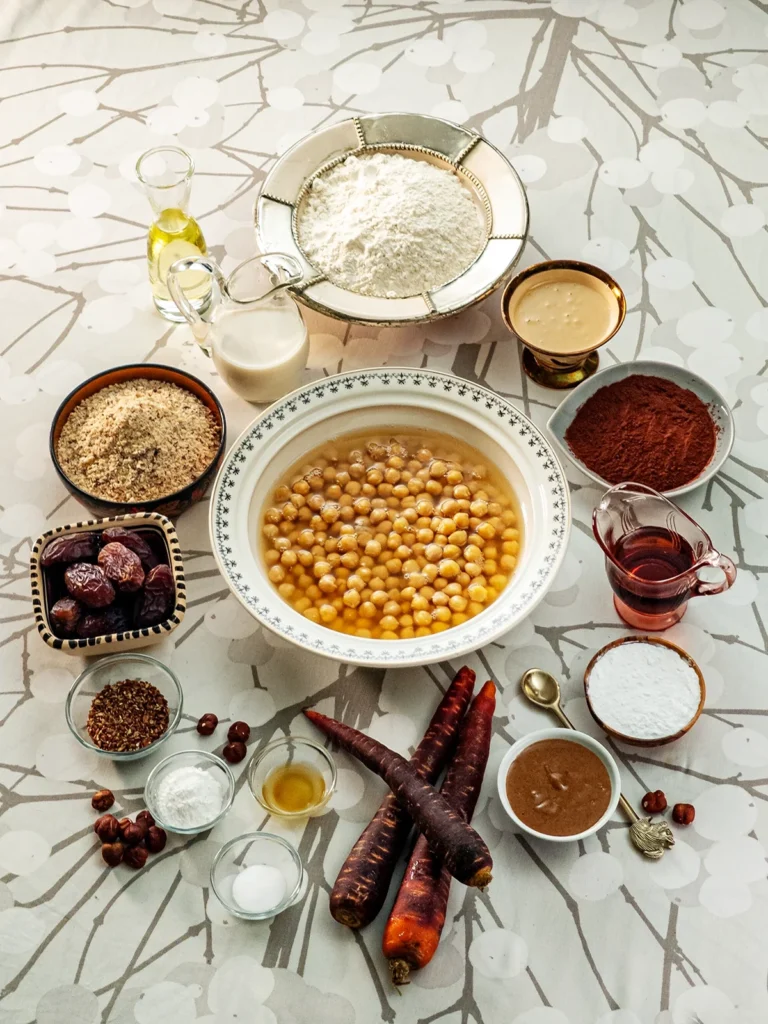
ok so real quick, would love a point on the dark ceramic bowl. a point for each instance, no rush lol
(170, 505)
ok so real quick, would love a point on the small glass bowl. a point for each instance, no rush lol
(189, 759)
(256, 848)
(113, 669)
(291, 749)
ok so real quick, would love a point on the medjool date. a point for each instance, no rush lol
(157, 600)
(111, 620)
(122, 566)
(131, 540)
(65, 615)
(74, 548)
(88, 584)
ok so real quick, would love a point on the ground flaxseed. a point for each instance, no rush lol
(138, 441)
(127, 715)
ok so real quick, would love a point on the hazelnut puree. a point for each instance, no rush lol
(558, 787)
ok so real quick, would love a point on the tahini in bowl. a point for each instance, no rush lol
(170, 504)
(384, 400)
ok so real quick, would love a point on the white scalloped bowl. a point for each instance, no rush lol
(388, 400)
(481, 168)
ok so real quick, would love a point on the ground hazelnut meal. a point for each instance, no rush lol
(138, 440)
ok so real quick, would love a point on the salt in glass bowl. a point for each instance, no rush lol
(190, 759)
(113, 669)
(247, 850)
(290, 750)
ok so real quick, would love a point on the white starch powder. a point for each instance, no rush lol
(646, 691)
(390, 226)
(189, 797)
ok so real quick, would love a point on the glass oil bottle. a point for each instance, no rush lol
(166, 174)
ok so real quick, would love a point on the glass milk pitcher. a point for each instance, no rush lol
(256, 335)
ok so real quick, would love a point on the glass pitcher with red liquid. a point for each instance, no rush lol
(654, 555)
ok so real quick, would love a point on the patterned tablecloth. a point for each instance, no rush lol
(639, 129)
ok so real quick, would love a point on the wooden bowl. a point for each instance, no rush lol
(170, 504)
(632, 739)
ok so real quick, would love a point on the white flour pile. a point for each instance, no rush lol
(646, 691)
(390, 226)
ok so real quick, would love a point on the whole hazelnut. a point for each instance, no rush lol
(107, 828)
(234, 752)
(102, 800)
(124, 823)
(207, 724)
(112, 854)
(156, 839)
(238, 732)
(133, 834)
(145, 821)
(654, 803)
(683, 814)
(135, 857)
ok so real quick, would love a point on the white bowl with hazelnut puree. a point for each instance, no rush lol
(559, 785)
(390, 517)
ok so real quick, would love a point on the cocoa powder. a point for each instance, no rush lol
(646, 430)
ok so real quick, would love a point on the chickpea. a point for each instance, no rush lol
(454, 477)
(423, 631)
(286, 591)
(486, 531)
(433, 487)
(477, 592)
(367, 610)
(374, 477)
(276, 574)
(272, 557)
(394, 566)
(407, 633)
(430, 571)
(289, 559)
(441, 614)
(327, 583)
(448, 568)
(452, 551)
(302, 604)
(507, 562)
(419, 603)
(373, 548)
(440, 599)
(388, 634)
(327, 613)
(355, 582)
(422, 618)
(364, 634)
(457, 618)
(433, 552)
(391, 607)
(351, 597)
(388, 623)
(490, 551)
(510, 547)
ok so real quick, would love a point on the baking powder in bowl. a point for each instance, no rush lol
(644, 690)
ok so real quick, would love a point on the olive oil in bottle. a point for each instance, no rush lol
(166, 174)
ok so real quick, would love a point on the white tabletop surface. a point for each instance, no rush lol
(639, 129)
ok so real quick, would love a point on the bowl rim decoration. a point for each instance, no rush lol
(269, 748)
(203, 755)
(574, 736)
(133, 638)
(642, 638)
(172, 503)
(502, 421)
(719, 409)
(496, 187)
(250, 837)
(124, 755)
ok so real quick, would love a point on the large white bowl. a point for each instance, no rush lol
(481, 168)
(388, 400)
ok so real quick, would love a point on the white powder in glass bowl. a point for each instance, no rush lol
(390, 226)
(643, 690)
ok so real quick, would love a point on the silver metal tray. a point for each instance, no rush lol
(487, 174)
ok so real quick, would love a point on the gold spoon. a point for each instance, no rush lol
(651, 838)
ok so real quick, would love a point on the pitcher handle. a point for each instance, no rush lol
(284, 271)
(702, 588)
(190, 314)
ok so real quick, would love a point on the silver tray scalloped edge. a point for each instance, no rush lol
(489, 175)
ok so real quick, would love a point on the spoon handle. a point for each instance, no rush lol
(563, 717)
(628, 809)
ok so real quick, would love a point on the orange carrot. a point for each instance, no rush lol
(413, 930)
(461, 849)
(363, 881)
